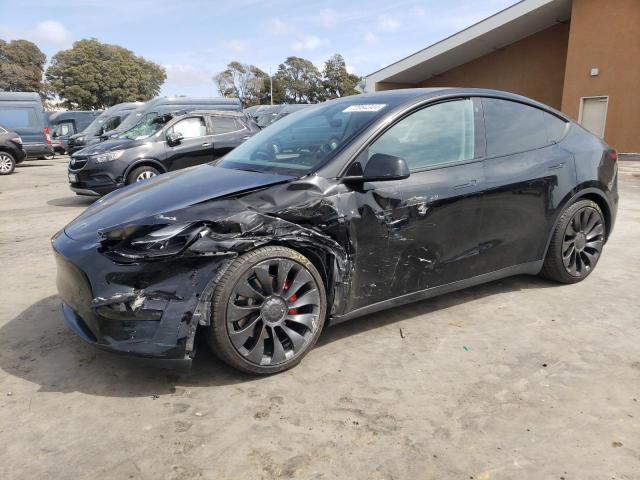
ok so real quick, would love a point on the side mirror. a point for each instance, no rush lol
(174, 138)
(382, 167)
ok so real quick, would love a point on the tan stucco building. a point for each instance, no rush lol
(579, 56)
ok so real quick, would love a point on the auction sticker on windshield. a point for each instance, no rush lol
(373, 107)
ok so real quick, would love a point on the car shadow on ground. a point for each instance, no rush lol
(29, 165)
(38, 347)
(77, 201)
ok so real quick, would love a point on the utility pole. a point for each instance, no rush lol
(270, 86)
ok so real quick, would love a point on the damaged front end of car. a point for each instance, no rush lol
(144, 287)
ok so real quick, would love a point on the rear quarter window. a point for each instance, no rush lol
(513, 127)
(555, 127)
(225, 125)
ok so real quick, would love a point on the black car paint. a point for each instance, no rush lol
(377, 244)
(11, 143)
(102, 178)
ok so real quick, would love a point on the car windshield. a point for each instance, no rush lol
(146, 128)
(94, 127)
(135, 117)
(304, 141)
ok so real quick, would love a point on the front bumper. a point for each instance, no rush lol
(148, 310)
(95, 179)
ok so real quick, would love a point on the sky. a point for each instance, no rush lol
(193, 40)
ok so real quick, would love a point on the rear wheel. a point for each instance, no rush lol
(141, 173)
(576, 243)
(7, 163)
(268, 310)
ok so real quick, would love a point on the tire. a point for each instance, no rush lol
(576, 243)
(49, 156)
(141, 173)
(295, 314)
(7, 163)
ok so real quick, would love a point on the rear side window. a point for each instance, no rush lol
(225, 125)
(555, 127)
(438, 134)
(18, 117)
(512, 127)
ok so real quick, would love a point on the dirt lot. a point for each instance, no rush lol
(517, 379)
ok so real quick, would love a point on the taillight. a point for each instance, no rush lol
(613, 155)
(47, 137)
(17, 140)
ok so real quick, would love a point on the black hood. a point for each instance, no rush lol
(110, 145)
(164, 194)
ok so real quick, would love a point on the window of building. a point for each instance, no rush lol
(439, 134)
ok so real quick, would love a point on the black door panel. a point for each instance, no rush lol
(523, 188)
(438, 240)
(189, 152)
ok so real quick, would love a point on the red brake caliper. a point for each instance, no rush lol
(292, 311)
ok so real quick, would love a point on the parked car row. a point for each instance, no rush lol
(134, 141)
(64, 125)
(159, 143)
(108, 120)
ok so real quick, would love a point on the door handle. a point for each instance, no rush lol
(470, 183)
(556, 166)
(206, 144)
(246, 138)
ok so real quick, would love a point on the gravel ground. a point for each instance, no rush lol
(517, 379)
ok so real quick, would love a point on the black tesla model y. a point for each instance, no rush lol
(339, 210)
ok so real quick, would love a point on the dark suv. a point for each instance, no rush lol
(158, 145)
(11, 151)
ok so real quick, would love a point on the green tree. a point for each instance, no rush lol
(21, 66)
(242, 81)
(265, 94)
(93, 75)
(337, 82)
(300, 80)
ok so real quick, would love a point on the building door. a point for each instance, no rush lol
(593, 114)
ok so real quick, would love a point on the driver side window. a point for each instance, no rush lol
(190, 127)
(438, 134)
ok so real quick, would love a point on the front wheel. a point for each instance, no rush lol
(576, 243)
(268, 310)
(141, 174)
(7, 163)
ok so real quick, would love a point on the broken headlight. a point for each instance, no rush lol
(162, 242)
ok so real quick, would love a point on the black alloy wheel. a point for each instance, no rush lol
(268, 310)
(583, 241)
(576, 243)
